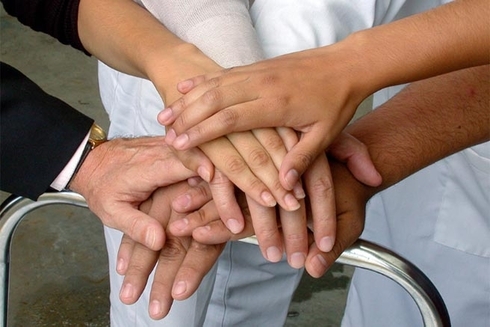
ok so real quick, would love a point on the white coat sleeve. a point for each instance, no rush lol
(222, 29)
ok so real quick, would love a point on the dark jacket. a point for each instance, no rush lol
(38, 134)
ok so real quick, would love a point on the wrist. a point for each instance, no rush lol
(368, 65)
(180, 63)
(97, 137)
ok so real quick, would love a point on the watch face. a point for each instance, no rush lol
(97, 135)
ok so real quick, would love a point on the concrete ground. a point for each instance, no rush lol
(58, 273)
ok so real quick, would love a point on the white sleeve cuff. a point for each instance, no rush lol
(64, 177)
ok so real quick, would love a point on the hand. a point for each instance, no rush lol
(120, 174)
(320, 186)
(351, 198)
(273, 93)
(250, 161)
(355, 154)
(294, 232)
(182, 263)
(241, 159)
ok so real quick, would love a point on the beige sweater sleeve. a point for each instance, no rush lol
(222, 29)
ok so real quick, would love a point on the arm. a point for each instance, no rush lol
(55, 18)
(428, 113)
(410, 49)
(114, 177)
(40, 152)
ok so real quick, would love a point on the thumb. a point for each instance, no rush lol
(349, 150)
(188, 84)
(139, 227)
(299, 158)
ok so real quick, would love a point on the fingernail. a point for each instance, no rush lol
(234, 226)
(291, 202)
(319, 260)
(297, 260)
(127, 292)
(326, 244)
(181, 141)
(298, 191)
(182, 201)
(185, 85)
(268, 199)
(202, 230)
(194, 181)
(156, 308)
(170, 136)
(291, 178)
(121, 266)
(165, 115)
(273, 254)
(204, 173)
(179, 288)
(181, 224)
(150, 239)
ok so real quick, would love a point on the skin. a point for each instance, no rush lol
(167, 60)
(418, 139)
(234, 100)
(194, 214)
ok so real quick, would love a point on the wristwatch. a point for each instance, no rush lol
(96, 137)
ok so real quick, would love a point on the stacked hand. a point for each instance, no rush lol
(250, 161)
(196, 234)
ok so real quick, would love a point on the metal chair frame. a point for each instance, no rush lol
(361, 254)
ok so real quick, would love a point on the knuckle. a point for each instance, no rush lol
(255, 185)
(321, 186)
(267, 233)
(296, 238)
(234, 164)
(212, 97)
(213, 82)
(136, 269)
(180, 105)
(305, 159)
(258, 157)
(182, 120)
(201, 216)
(228, 117)
(273, 143)
(173, 250)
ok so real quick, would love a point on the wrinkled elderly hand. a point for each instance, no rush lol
(119, 175)
(182, 263)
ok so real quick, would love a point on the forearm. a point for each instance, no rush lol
(426, 122)
(128, 38)
(450, 37)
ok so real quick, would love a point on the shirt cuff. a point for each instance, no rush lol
(64, 177)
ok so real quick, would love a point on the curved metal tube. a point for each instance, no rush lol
(361, 254)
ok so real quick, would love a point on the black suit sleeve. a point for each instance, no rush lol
(38, 134)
